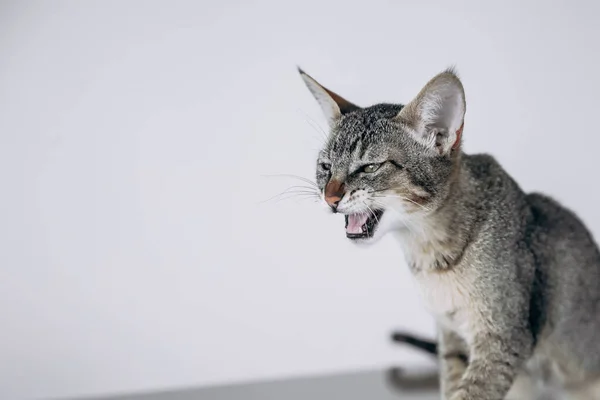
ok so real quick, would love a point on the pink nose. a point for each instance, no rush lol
(334, 191)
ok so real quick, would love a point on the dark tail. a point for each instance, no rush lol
(428, 346)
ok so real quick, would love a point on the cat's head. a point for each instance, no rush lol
(386, 166)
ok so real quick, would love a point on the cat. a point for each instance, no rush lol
(512, 279)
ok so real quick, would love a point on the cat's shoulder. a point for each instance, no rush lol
(486, 172)
(481, 164)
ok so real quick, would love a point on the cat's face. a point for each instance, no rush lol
(385, 167)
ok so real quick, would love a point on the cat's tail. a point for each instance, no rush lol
(429, 346)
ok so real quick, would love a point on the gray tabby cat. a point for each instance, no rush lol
(513, 279)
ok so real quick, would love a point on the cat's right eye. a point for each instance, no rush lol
(369, 169)
(325, 166)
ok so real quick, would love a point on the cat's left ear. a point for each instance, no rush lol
(333, 105)
(437, 114)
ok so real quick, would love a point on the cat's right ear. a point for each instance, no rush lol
(333, 105)
(437, 114)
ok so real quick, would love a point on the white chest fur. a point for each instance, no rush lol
(446, 290)
(447, 296)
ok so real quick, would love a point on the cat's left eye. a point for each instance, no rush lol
(369, 169)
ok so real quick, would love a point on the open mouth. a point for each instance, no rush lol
(362, 226)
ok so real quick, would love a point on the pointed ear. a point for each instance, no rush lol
(333, 105)
(437, 113)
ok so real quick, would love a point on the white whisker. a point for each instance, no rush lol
(315, 126)
(291, 195)
(399, 216)
(292, 176)
(403, 198)
(298, 189)
(371, 210)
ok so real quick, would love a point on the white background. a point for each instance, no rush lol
(135, 250)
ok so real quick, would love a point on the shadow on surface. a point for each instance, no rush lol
(391, 384)
(404, 382)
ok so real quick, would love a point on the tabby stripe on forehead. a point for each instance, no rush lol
(354, 145)
(363, 150)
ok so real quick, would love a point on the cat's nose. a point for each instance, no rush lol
(334, 191)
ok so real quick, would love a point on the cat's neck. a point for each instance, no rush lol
(436, 241)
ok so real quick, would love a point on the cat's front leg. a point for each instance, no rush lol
(495, 360)
(453, 361)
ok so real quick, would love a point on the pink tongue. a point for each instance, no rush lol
(355, 223)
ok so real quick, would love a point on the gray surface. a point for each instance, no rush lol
(373, 385)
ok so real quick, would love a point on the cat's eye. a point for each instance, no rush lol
(325, 166)
(370, 168)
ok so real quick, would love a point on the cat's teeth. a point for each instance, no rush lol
(356, 222)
